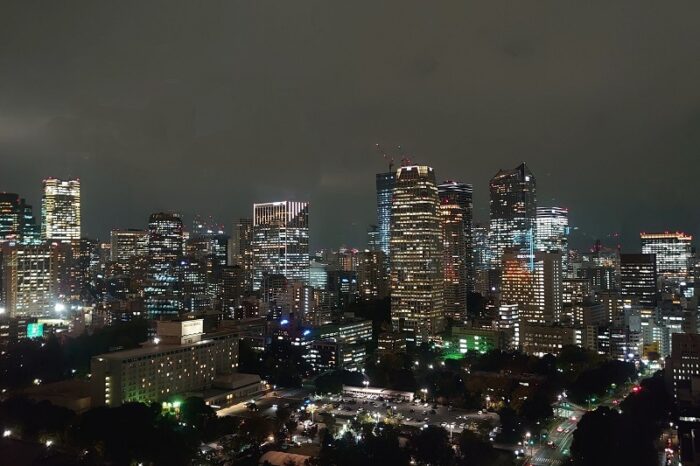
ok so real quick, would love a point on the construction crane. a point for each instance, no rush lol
(386, 156)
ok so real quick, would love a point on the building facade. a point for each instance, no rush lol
(60, 209)
(416, 255)
(280, 241)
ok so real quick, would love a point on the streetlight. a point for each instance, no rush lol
(424, 391)
(365, 383)
(527, 441)
(6, 433)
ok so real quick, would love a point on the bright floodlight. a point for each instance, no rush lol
(2, 310)
(59, 307)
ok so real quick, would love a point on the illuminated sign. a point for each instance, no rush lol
(35, 330)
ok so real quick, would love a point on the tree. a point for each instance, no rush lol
(432, 446)
(473, 450)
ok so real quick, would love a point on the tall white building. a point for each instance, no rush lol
(60, 209)
(281, 241)
(416, 255)
(552, 231)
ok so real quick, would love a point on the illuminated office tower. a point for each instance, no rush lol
(128, 246)
(29, 279)
(482, 260)
(17, 222)
(457, 263)
(638, 278)
(385, 191)
(60, 209)
(347, 259)
(516, 280)
(165, 249)
(552, 231)
(513, 212)
(242, 250)
(281, 241)
(416, 255)
(318, 275)
(673, 253)
(372, 277)
(535, 285)
(547, 304)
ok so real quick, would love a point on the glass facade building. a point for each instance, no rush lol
(165, 249)
(458, 265)
(385, 191)
(280, 241)
(513, 212)
(673, 253)
(60, 209)
(416, 255)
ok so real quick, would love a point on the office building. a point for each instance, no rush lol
(673, 253)
(165, 249)
(17, 222)
(385, 190)
(60, 210)
(638, 278)
(242, 250)
(127, 247)
(513, 212)
(280, 241)
(552, 232)
(416, 255)
(538, 339)
(457, 263)
(372, 278)
(467, 338)
(546, 305)
(30, 279)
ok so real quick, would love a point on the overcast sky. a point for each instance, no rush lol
(207, 106)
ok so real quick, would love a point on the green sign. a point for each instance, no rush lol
(35, 330)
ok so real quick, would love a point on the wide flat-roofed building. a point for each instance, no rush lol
(179, 360)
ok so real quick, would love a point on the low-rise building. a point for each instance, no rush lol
(180, 359)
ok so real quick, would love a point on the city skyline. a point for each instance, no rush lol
(178, 129)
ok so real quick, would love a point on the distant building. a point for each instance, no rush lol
(457, 264)
(372, 278)
(673, 253)
(17, 222)
(385, 191)
(281, 240)
(391, 343)
(540, 339)
(513, 212)
(165, 250)
(242, 250)
(638, 278)
(128, 246)
(30, 279)
(416, 255)
(481, 340)
(60, 208)
(552, 232)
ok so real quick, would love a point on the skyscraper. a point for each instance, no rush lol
(165, 249)
(513, 212)
(60, 209)
(416, 255)
(17, 220)
(242, 253)
(673, 252)
(385, 191)
(458, 265)
(281, 241)
(29, 279)
(552, 231)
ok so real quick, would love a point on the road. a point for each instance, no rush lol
(561, 435)
(266, 402)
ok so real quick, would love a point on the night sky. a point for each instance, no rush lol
(205, 106)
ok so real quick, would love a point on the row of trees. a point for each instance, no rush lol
(385, 444)
(607, 436)
(51, 360)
